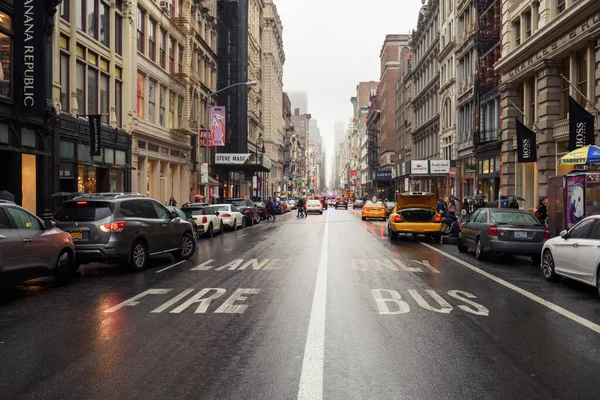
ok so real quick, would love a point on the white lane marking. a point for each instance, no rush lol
(311, 378)
(537, 299)
(241, 236)
(170, 266)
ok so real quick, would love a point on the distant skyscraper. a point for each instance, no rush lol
(299, 100)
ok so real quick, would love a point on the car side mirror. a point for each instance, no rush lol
(49, 224)
(564, 234)
(174, 215)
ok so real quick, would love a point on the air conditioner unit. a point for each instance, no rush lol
(165, 6)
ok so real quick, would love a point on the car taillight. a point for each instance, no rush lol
(547, 233)
(437, 218)
(247, 208)
(226, 215)
(492, 230)
(204, 220)
(398, 218)
(113, 227)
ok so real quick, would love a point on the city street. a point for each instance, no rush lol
(321, 307)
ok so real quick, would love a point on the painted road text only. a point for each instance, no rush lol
(239, 265)
(390, 302)
(201, 301)
(393, 265)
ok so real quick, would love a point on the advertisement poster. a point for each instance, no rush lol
(217, 126)
(575, 203)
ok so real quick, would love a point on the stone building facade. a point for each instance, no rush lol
(256, 128)
(542, 40)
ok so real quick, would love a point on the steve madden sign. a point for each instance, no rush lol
(231, 158)
(29, 49)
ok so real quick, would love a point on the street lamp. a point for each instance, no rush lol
(260, 146)
(209, 123)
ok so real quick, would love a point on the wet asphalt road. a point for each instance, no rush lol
(322, 307)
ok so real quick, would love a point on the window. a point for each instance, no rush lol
(80, 18)
(64, 81)
(171, 110)
(91, 18)
(144, 209)
(67, 150)
(118, 34)
(180, 59)
(161, 211)
(161, 104)
(140, 30)
(105, 24)
(517, 30)
(92, 91)
(4, 221)
(595, 232)
(152, 39)
(6, 34)
(104, 98)
(24, 220)
(64, 9)
(560, 6)
(119, 102)
(80, 87)
(581, 230)
(172, 56)
(140, 95)
(527, 17)
(163, 49)
(566, 71)
(582, 76)
(179, 111)
(151, 100)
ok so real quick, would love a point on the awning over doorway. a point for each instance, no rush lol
(243, 162)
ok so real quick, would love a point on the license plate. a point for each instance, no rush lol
(77, 235)
(520, 234)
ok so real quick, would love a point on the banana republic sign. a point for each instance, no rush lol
(28, 58)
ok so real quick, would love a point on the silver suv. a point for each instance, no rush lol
(30, 248)
(124, 227)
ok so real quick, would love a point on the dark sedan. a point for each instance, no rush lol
(261, 207)
(503, 230)
(358, 204)
(389, 207)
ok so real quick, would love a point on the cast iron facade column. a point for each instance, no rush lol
(508, 93)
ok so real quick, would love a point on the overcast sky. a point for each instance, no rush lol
(331, 45)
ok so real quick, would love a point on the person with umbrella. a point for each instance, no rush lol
(514, 203)
(541, 212)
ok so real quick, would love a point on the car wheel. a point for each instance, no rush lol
(210, 232)
(436, 238)
(63, 268)
(479, 254)
(243, 222)
(548, 267)
(139, 256)
(364, 218)
(74, 267)
(536, 259)
(188, 247)
(234, 225)
(250, 221)
(393, 235)
(461, 246)
(257, 219)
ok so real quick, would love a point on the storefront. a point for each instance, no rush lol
(488, 176)
(78, 171)
(467, 171)
(244, 175)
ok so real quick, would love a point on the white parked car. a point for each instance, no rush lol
(314, 206)
(292, 204)
(206, 218)
(575, 254)
(231, 216)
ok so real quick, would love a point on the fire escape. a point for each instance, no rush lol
(487, 43)
(373, 141)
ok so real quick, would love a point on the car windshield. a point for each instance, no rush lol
(219, 208)
(178, 211)
(376, 204)
(259, 204)
(198, 210)
(313, 202)
(518, 218)
(84, 211)
(390, 204)
(237, 202)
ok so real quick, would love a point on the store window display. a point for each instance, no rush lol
(5, 55)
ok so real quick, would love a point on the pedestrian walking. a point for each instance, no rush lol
(541, 212)
(300, 207)
(514, 204)
(452, 207)
(172, 202)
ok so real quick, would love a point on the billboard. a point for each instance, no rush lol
(575, 199)
(217, 126)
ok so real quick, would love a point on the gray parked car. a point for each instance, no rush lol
(30, 247)
(503, 230)
(124, 227)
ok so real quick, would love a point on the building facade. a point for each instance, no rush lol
(403, 121)
(540, 42)
(361, 102)
(465, 56)
(256, 128)
(426, 84)
(93, 73)
(273, 59)
(301, 132)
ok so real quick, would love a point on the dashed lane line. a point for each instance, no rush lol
(564, 312)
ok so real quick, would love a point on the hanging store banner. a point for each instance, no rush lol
(95, 145)
(575, 185)
(581, 126)
(203, 138)
(231, 158)
(28, 58)
(526, 144)
(470, 169)
(406, 185)
(383, 174)
(439, 166)
(352, 172)
(203, 173)
(217, 126)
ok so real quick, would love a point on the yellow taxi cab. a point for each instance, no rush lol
(374, 210)
(415, 213)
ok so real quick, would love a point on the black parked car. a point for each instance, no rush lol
(261, 207)
(124, 227)
(247, 208)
